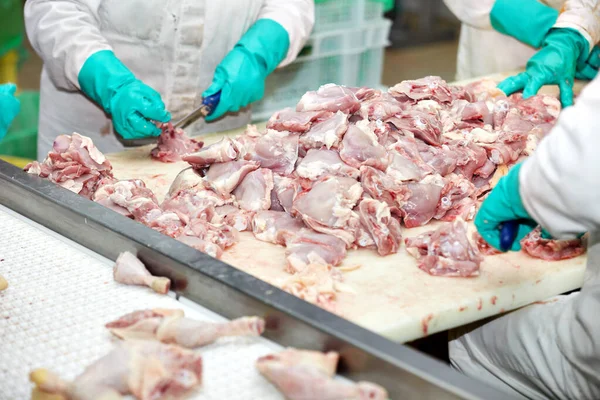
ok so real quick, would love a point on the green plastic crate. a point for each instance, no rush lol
(21, 139)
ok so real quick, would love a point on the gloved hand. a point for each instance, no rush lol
(131, 104)
(504, 204)
(588, 69)
(9, 107)
(241, 75)
(554, 64)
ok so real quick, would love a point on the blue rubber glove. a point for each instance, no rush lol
(9, 107)
(528, 21)
(504, 204)
(131, 104)
(241, 75)
(554, 64)
(589, 69)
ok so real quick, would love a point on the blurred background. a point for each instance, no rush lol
(375, 43)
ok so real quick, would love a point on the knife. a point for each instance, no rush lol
(508, 234)
(206, 108)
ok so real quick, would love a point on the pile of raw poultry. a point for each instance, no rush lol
(346, 169)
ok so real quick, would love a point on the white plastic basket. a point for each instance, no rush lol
(351, 57)
(342, 14)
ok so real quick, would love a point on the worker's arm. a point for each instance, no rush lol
(582, 16)
(297, 17)
(559, 182)
(66, 36)
(275, 39)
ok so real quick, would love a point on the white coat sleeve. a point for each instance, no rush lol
(64, 34)
(583, 16)
(297, 17)
(559, 182)
(474, 13)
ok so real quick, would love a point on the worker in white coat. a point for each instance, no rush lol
(115, 65)
(549, 350)
(504, 35)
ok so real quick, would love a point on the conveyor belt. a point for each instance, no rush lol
(61, 295)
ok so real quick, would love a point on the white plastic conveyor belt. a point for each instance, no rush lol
(61, 294)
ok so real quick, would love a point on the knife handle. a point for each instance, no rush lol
(508, 234)
(212, 102)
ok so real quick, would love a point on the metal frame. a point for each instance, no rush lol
(403, 371)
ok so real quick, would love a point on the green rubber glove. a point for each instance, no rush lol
(554, 64)
(9, 107)
(504, 204)
(589, 69)
(131, 104)
(528, 21)
(241, 75)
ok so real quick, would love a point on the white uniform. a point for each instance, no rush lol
(552, 350)
(173, 46)
(484, 51)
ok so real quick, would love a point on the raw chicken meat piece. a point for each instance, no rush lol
(170, 326)
(446, 251)
(191, 204)
(304, 375)
(318, 163)
(537, 109)
(286, 189)
(550, 249)
(188, 178)
(174, 143)
(428, 88)
(360, 146)
(275, 226)
(501, 108)
(291, 120)
(222, 151)
(474, 114)
(239, 219)
(316, 283)
(254, 192)
(485, 89)
(326, 133)
(327, 206)
(277, 151)
(380, 107)
(223, 178)
(309, 247)
(222, 235)
(381, 186)
(330, 97)
(442, 159)
(73, 163)
(457, 199)
(364, 93)
(201, 245)
(134, 200)
(118, 195)
(405, 162)
(469, 157)
(422, 125)
(418, 201)
(129, 270)
(145, 369)
(384, 229)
